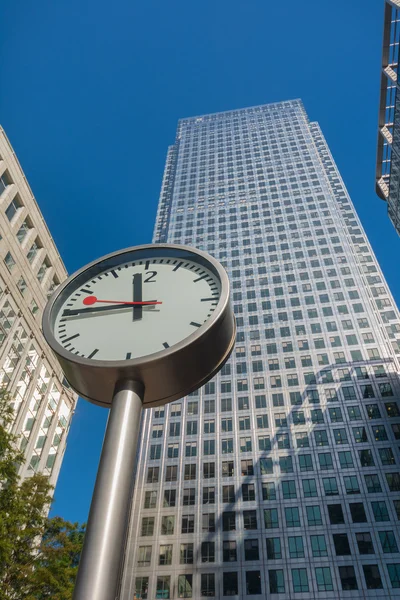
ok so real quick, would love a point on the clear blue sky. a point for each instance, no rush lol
(91, 92)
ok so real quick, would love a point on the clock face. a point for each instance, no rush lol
(136, 308)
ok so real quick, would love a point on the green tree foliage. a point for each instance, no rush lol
(38, 556)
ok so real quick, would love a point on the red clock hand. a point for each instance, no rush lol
(89, 300)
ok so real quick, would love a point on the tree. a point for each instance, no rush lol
(57, 560)
(38, 556)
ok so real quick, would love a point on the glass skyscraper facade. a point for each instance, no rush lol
(281, 477)
(388, 148)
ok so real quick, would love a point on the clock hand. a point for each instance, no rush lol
(92, 300)
(97, 309)
(137, 296)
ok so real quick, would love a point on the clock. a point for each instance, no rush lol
(158, 314)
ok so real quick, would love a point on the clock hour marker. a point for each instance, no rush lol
(86, 291)
(93, 353)
(195, 324)
(128, 355)
(200, 278)
(207, 300)
(147, 265)
(177, 266)
(115, 274)
(166, 345)
(72, 337)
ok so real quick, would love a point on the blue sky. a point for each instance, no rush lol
(91, 92)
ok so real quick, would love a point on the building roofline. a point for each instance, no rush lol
(224, 112)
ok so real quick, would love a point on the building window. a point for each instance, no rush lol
(341, 542)
(228, 521)
(296, 547)
(314, 516)
(300, 580)
(163, 586)
(144, 556)
(253, 582)
(380, 511)
(309, 488)
(165, 556)
(274, 550)
(207, 587)
(189, 497)
(229, 551)
(276, 581)
(208, 470)
(22, 285)
(357, 512)
(187, 524)
(207, 552)
(185, 585)
(230, 584)
(13, 208)
(305, 462)
(209, 495)
(33, 250)
(228, 468)
(150, 499)
(372, 577)
(155, 451)
(394, 574)
(190, 472)
(271, 520)
(153, 474)
(171, 473)
(169, 498)
(388, 542)
(248, 492)
(208, 522)
(167, 525)
(9, 261)
(191, 449)
(251, 551)
(147, 526)
(318, 546)
(348, 578)
(249, 519)
(142, 587)
(336, 516)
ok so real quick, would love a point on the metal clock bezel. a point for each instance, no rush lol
(79, 370)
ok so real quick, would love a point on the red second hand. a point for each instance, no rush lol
(89, 300)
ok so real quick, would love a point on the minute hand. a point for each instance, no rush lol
(95, 309)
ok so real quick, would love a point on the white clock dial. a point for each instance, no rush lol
(137, 308)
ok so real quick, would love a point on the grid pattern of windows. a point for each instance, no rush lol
(298, 461)
(43, 403)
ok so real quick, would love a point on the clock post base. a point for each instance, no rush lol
(100, 565)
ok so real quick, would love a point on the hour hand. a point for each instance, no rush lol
(137, 296)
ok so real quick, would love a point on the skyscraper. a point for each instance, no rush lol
(388, 153)
(282, 474)
(30, 269)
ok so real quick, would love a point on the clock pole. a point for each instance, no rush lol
(162, 374)
(100, 564)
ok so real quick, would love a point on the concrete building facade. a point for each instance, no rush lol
(30, 269)
(280, 478)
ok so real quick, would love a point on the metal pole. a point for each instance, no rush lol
(100, 564)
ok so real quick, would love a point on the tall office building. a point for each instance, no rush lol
(388, 153)
(30, 269)
(282, 474)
